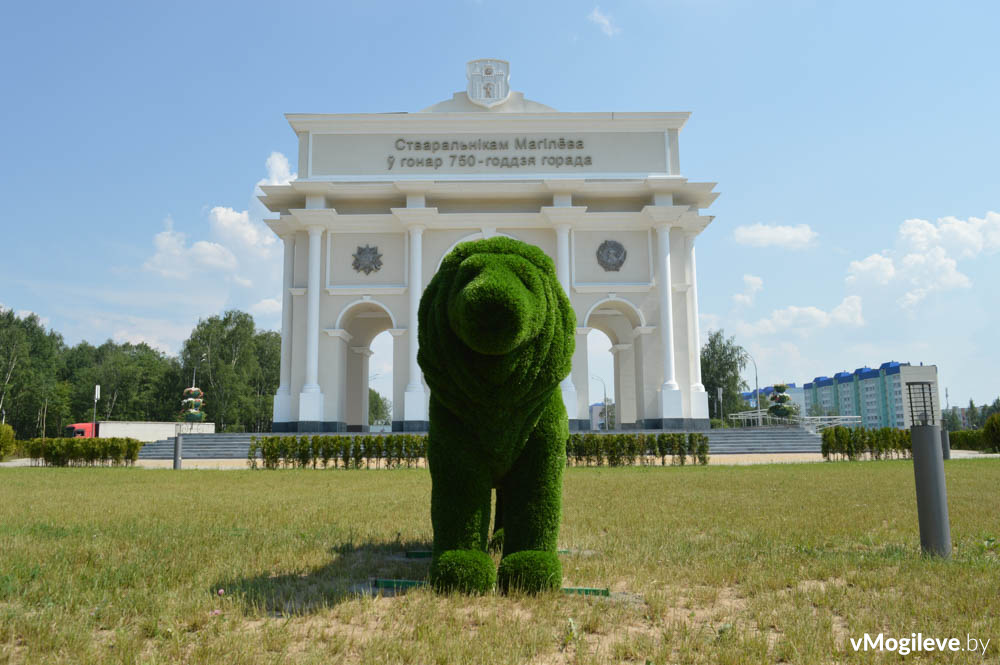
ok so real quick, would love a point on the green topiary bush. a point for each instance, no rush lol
(496, 336)
(531, 571)
(468, 571)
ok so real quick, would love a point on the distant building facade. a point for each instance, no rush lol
(878, 396)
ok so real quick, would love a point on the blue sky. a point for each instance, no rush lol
(133, 136)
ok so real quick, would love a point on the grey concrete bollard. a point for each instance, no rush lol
(932, 498)
(178, 450)
(945, 444)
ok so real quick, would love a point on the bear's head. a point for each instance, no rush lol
(496, 329)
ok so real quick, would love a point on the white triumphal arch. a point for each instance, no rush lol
(381, 198)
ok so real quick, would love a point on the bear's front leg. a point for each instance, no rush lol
(532, 495)
(460, 507)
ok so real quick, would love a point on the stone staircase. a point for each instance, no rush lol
(201, 446)
(748, 440)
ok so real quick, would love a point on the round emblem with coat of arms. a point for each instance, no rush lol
(611, 255)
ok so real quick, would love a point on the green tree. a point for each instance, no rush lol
(951, 421)
(722, 362)
(379, 409)
(30, 359)
(973, 415)
(991, 432)
(223, 350)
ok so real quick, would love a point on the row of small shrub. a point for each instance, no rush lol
(632, 448)
(858, 443)
(974, 439)
(388, 451)
(83, 452)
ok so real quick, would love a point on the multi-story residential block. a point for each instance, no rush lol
(878, 396)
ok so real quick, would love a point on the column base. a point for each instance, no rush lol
(699, 404)
(676, 424)
(320, 426)
(310, 407)
(410, 425)
(414, 405)
(282, 410)
(671, 405)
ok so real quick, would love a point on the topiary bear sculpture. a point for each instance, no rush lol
(496, 338)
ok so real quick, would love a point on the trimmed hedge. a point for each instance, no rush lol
(393, 451)
(362, 451)
(975, 439)
(7, 441)
(857, 443)
(83, 452)
(636, 448)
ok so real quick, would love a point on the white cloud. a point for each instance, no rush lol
(604, 21)
(237, 230)
(176, 260)
(278, 171)
(876, 268)
(961, 238)
(805, 320)
(751, 285)
(774, 235)
(926, 256)
(267, 307)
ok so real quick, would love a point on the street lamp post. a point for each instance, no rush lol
(756, 386)
(604, 385)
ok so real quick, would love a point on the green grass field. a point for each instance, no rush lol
(778, 563)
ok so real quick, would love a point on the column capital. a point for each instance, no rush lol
(415, 217)
(362, 351)
(583, 330)
(664, 216)
(618, 348)
(563, 215)
(315, 230)
(339, 333)
(396, 332)
(308, 218)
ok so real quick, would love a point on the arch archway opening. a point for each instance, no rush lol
(369, 366)
(601, 382)
(611, 357)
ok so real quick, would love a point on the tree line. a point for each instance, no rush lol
(46, 384)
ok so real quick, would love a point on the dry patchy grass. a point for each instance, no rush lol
(758, 564)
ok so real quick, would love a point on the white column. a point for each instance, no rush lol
(562, 272)
(699, 398)
(311, 398)
(670, 395)
(414, 400)
(282, 411)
